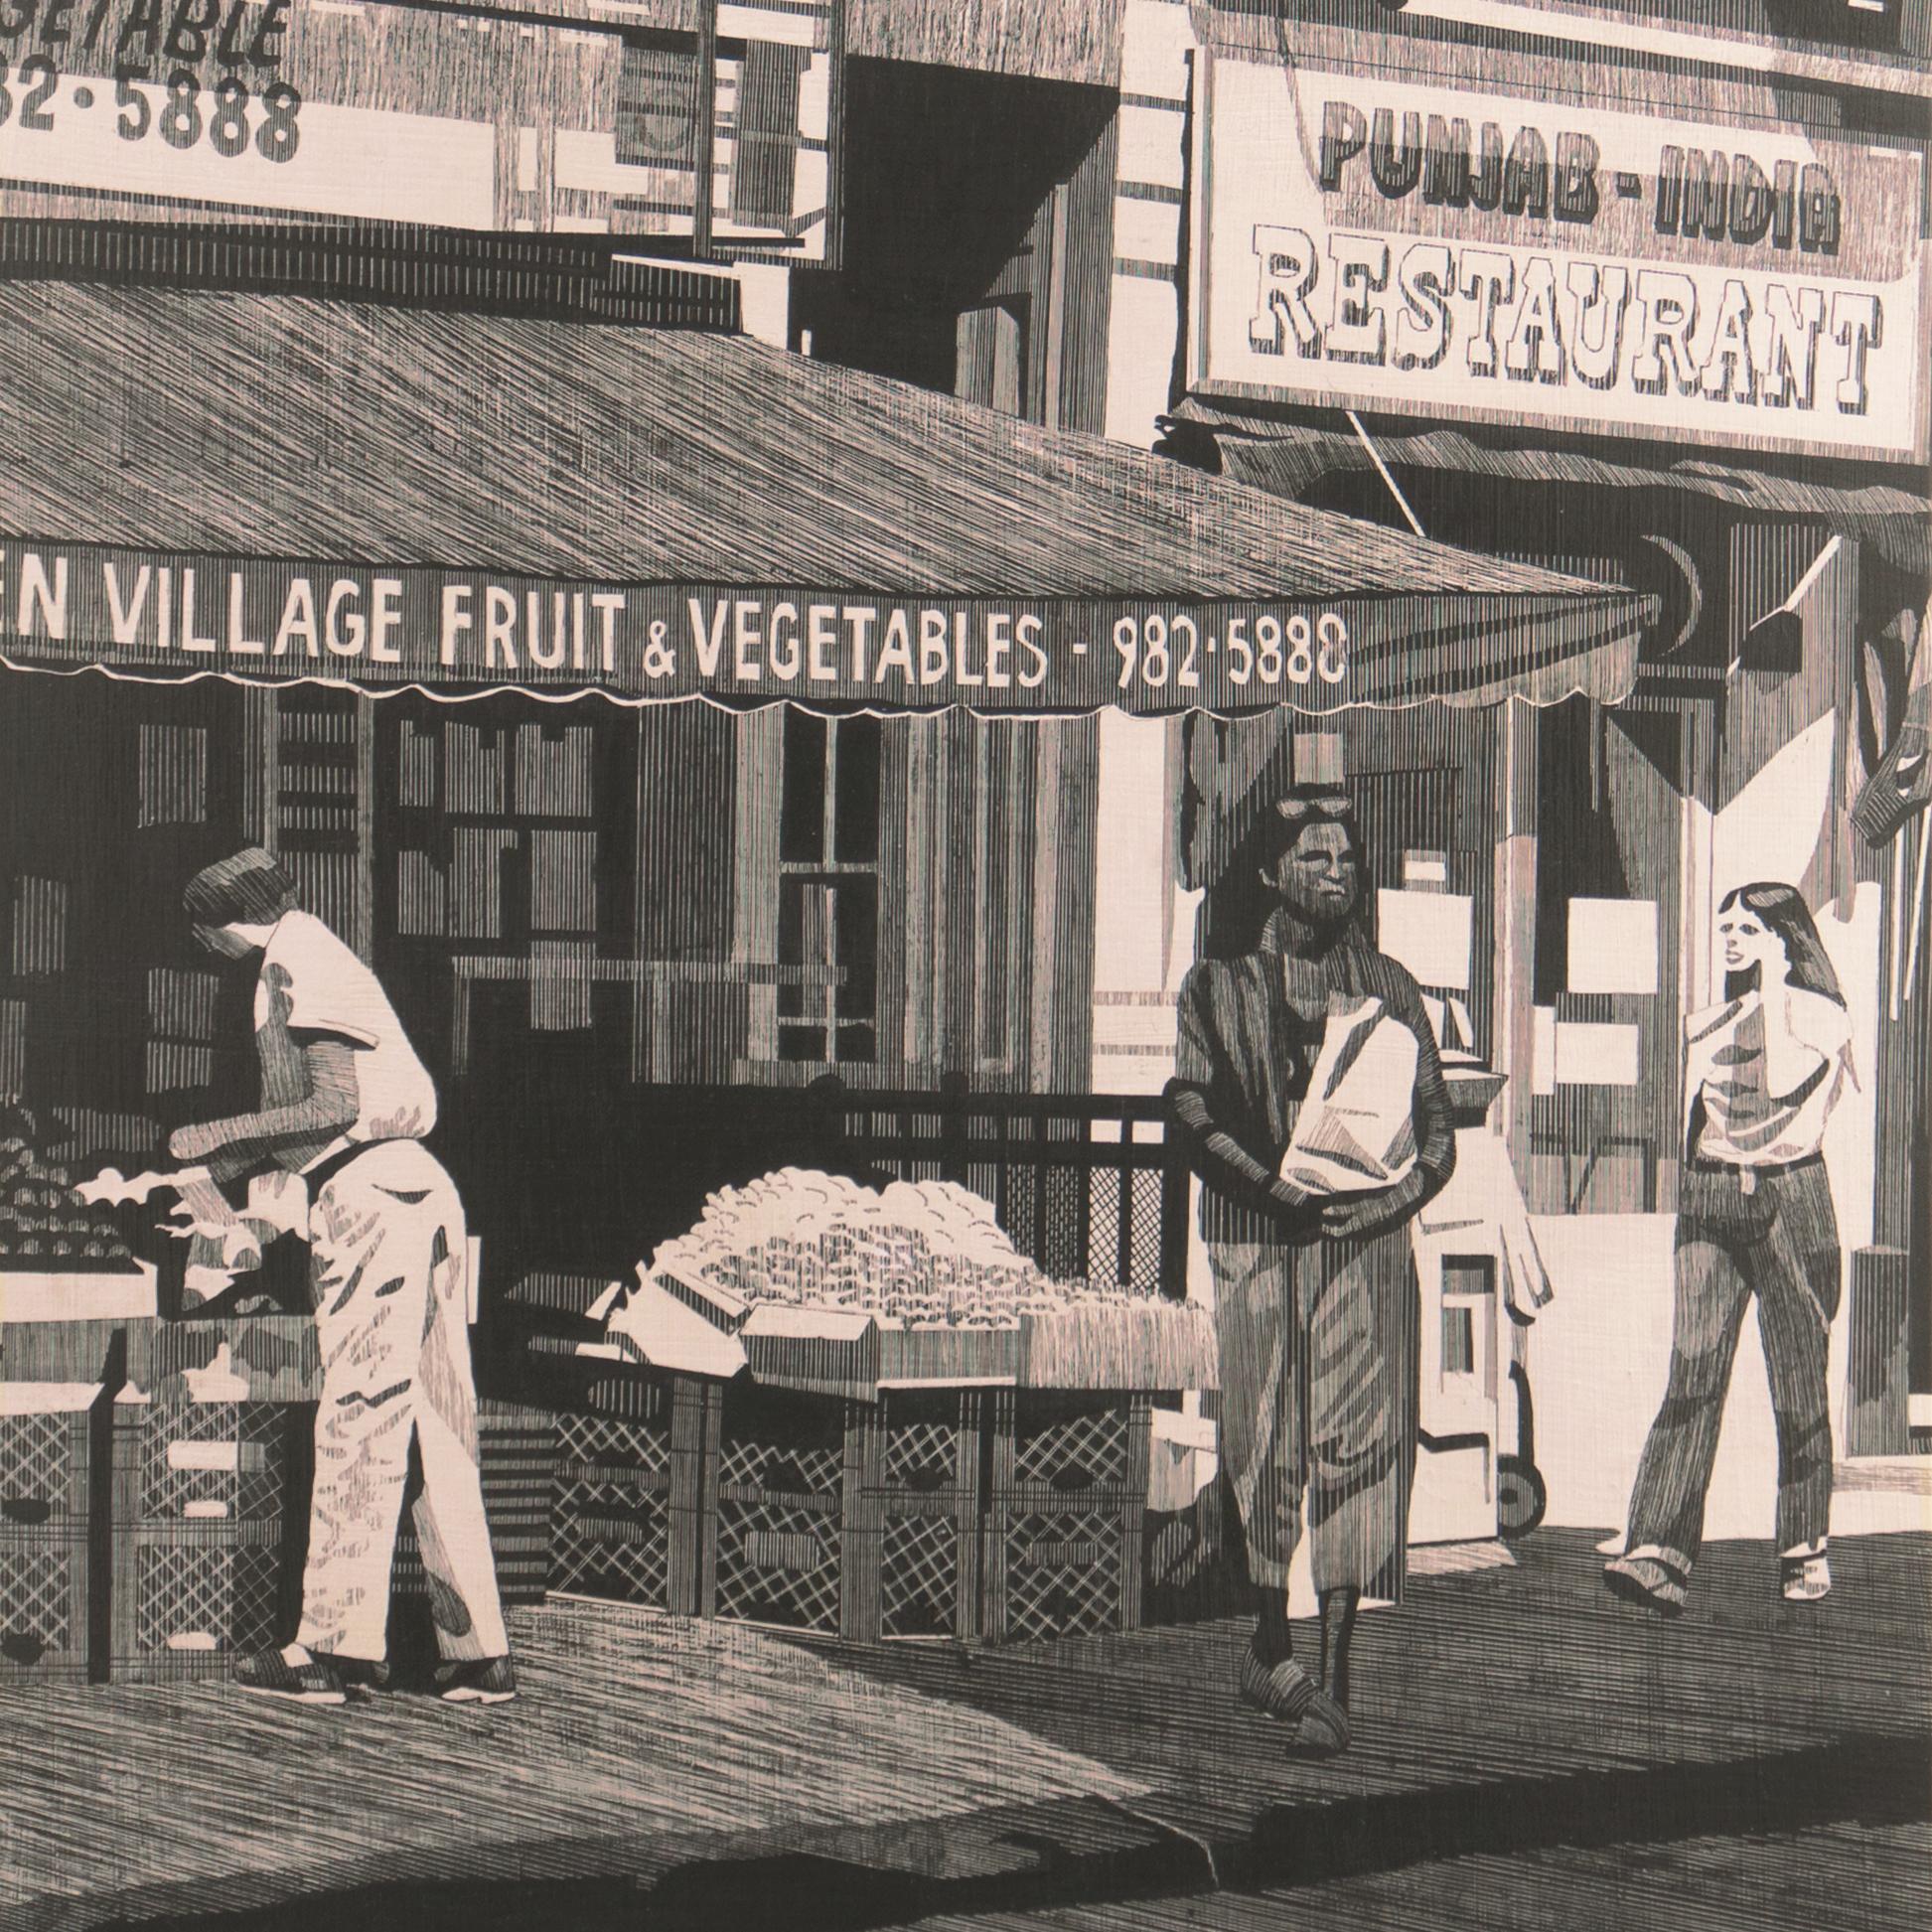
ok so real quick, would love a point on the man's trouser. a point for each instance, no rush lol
(1318, 1367)
(1778, 1241)
(388, 1257)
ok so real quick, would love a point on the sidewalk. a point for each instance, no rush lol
(700, 1775)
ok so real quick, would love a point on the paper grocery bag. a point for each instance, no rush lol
(1356, 1128)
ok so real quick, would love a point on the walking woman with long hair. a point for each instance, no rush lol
(1762, 1072)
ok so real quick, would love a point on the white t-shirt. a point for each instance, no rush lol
(311, 982)
(1768, 1071)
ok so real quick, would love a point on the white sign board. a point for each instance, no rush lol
(1429, 250)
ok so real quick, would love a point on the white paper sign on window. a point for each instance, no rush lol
(1429, 933)
(1612, 945)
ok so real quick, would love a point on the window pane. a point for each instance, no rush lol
(856, 933)
(856, 819)
(802, 830)
(802, 1043)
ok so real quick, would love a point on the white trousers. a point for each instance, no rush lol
(388, 1256)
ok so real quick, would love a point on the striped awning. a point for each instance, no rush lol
(274, 488)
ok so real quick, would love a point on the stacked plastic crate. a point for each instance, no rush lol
(49, 1446)
(199, 1512)
(1067, 1514)
(787, 1494)
(921, 1495)
(856, 1519)
(633, 1485)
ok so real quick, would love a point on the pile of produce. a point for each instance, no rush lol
(45, 1225)
(916, 1252)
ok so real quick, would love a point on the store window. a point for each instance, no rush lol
(829, 889)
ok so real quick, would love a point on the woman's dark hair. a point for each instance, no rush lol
(1783, 910)
(250, 889)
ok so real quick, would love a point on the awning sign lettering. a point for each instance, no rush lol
(165, 616)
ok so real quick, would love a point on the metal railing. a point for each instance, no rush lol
(1090, 1185)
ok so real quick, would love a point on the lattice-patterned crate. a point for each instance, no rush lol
(610, 1505)
(913, 1535)
(188, 1598)
(47, 1454)
(1055, 1450)
(1066, 1517)
(611, 1540)
(785, 1483)
(518, 1455)
(45, 1602)
(186, 1461)
(634, 1500)
(1070, 1572)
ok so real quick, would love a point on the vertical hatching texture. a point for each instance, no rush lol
(1049, 40)
(40, 925)
(759, 800)
(172, 765)
(421, 896)
(563, 881)
(13, 1048)
(416, 750)
(474, 770)
(562, 976)
(180, 1004)
(553, 774)
(476, 880)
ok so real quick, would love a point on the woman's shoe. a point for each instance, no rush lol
(1289, 1695)
(1805, 1578)
(1649, 1581)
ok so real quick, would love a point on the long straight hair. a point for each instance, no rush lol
(1783, 910)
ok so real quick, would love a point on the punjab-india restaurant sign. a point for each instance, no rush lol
(1433, 250)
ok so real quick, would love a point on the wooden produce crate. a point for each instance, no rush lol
(913, 1552)
(785, 1492)
(48, 1583)
(51, 1462)
(1067, 1514)
(633, 1495)
(856, 1519)
(201, 1508)
(191, 1596)
(178, 1460)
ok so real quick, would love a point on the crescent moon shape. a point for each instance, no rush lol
(1688, 569)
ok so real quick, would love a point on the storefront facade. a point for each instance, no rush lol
(1646, 304)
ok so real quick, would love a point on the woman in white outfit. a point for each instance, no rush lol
(1762, 1073)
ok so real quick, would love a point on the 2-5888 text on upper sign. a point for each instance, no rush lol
(182, 112)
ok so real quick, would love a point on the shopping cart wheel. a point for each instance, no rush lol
(1521, 1498)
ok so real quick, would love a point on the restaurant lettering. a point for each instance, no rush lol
(1562, 319)
(1440, 160)
(1438, 250)
(148, 614)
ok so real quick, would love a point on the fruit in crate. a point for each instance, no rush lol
(921, 1254)
(45, 1227)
